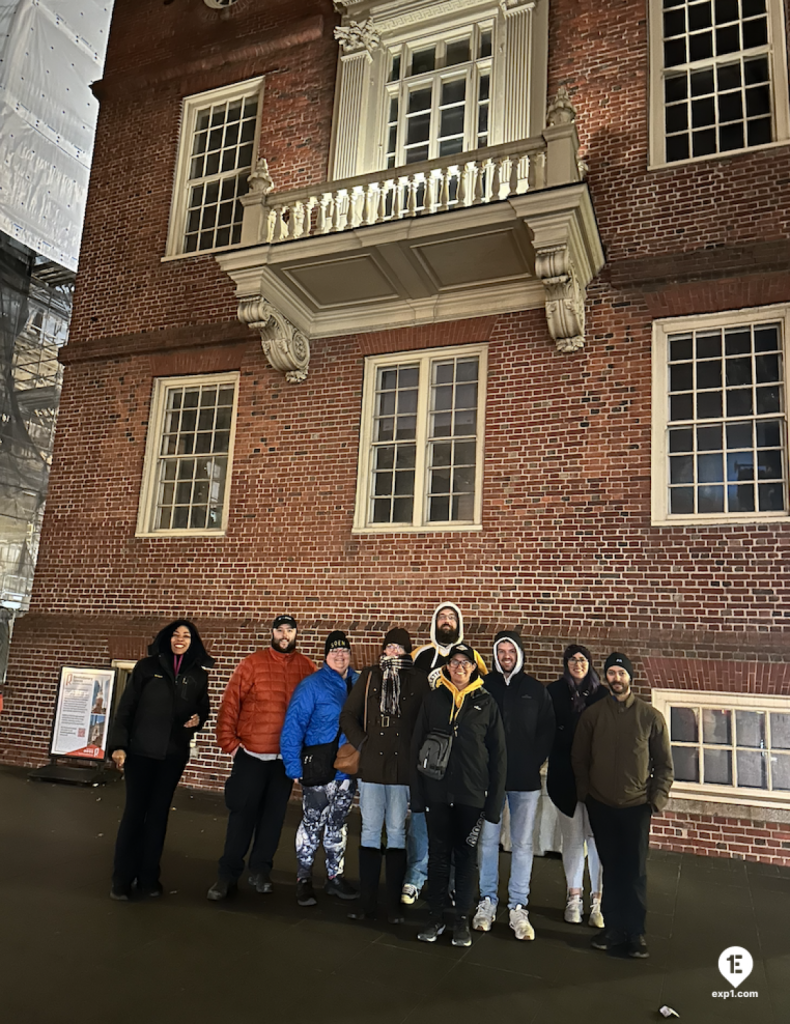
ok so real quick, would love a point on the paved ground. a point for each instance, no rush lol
(71, 955)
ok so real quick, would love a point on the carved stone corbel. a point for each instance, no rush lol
(564, 297)
(286, 348)
(358, 37)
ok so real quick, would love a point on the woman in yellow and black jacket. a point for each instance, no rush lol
(471, 790)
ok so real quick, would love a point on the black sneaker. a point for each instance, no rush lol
(151, 892)
(305, 894)
(431, 933)
(120, 892)
(637, 947)
(221, 889)
(261, 883)
(602, 941)
(338, 886)
(461, 934)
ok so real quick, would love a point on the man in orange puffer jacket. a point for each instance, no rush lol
(249, 723)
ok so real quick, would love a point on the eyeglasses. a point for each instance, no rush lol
(578, 661)
(458, 663)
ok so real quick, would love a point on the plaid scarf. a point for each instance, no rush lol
(391, 669)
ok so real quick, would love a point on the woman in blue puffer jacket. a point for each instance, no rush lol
(312, 720)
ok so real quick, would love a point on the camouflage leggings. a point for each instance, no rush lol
(324, 810)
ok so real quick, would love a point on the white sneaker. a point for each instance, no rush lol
(574, 910)
(596, 917)
(485, 915)
(519, 922)
(409, 894)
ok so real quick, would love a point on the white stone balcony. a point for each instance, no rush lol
(500, 229)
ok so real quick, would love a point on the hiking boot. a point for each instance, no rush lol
(409, 894)
(637, 947)
(338, 886)
(431, 932)
(305, 894)
(221, 889)
(519, 922)
(573, 910)
(261, 883)
(596, 917)
(485, 915)
(461, 934)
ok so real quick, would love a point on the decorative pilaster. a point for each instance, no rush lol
(518, 67)
(286, 348)
(562, 141)
(564, 296)
(358, 41)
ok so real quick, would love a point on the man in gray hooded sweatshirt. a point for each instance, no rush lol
(528, 714)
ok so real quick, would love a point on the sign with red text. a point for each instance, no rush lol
(82, 715)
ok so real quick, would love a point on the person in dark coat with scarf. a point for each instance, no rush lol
(165, 701)
(378, 719)
(576, 689)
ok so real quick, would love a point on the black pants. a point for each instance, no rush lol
(453, 833)
(622, 835)
(150, 785)
(256, 795)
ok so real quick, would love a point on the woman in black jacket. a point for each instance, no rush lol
(378, 719)
(576, 689)
(164, 702)
(471, 790)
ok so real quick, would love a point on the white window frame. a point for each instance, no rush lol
(181, 180)
(518, 63)
(777, 59)
(420, 523)
(664, 700)
(662, 329)
(148, 490)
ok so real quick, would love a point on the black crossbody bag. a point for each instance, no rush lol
(434, 754)
(318, 762)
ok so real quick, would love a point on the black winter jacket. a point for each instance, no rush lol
(386, 745)
(154, 705)
(475, 775)
(561, 782)
(528, 717)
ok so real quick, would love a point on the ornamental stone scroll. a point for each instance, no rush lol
(565, 297)
(286, 348)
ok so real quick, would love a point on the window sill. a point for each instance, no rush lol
(180, 534)
(388, 528)
(729, 795)
(718, 519)
(173, 257)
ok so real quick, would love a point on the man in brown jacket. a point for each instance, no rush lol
(623, 766)
(249, 724)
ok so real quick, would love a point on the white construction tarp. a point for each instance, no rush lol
(50, 52)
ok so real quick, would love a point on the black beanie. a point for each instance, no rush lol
(337, 639)
(616, 658)
(398, 635)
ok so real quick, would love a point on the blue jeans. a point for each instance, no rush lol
(417, 851)
(522, 822)
(382, 805)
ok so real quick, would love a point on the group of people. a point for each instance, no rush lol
(436, 746)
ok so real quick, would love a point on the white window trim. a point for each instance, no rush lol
(777, 56)
(364, 466)
(664, 699)
(519, 60)
(660, 410)
(179, 199)
(158, 406)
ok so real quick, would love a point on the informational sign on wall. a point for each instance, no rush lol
(82, 716)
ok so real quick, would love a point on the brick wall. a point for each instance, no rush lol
(566, 552)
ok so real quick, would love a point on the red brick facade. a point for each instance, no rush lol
(566, 551)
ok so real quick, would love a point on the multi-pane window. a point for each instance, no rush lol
(188, 458)
(719, 77)
(729, 742)
(438, 96)
(724, 438)
(422, 443)
(217, 153)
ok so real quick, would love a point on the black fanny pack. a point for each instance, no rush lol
(318, 763)
(434, 755)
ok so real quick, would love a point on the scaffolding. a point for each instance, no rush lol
(35, 308)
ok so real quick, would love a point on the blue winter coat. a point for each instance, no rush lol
(313, 716)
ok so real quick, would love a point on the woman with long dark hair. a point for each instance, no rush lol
(165, 701)
(576, 689)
